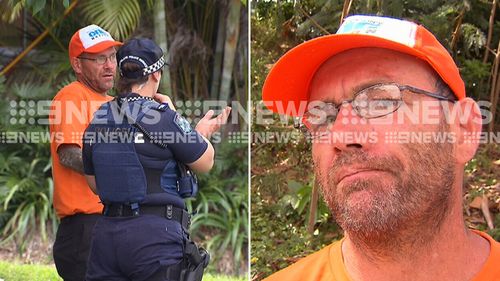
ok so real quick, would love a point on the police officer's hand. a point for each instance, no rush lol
(208, 125)
(164, 99)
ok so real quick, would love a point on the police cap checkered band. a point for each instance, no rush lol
(154, 67)
(143, 52)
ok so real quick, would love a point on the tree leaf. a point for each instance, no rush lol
(118, 17)
(38, 5)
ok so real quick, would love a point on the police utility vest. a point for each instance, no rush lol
(120, 176)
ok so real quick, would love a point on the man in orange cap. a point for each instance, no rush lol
(92, 53)
(398, 199)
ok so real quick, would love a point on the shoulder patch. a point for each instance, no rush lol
(182, 124)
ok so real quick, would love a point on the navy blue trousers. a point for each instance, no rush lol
(133, 248)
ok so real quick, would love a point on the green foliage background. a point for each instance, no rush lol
(26, 186)
(282, 176)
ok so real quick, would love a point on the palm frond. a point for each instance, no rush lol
(118, 17)
(31, 90)
(11, 10)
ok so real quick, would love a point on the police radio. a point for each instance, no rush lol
(187, 184)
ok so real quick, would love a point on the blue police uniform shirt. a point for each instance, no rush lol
(183, 144)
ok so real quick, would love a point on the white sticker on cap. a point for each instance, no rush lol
(92, 35)
(400, 31)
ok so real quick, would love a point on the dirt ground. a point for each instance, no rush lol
(37, 252)
(40, 252)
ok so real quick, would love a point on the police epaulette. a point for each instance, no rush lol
(162, 107)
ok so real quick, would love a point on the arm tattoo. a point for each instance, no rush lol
(71, 157)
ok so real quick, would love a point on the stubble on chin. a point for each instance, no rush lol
(365, 206)
(400, 200)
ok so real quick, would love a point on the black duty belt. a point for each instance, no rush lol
(167, 211)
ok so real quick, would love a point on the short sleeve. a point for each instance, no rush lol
(68, 117)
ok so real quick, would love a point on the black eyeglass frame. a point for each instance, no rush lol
(303, 127)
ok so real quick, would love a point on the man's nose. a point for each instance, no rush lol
(350, 131)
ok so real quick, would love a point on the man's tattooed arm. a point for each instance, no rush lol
(70, 156)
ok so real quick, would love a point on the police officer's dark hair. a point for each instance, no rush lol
(125, 84)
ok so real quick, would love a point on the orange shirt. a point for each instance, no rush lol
(328, 265)
(72, 110)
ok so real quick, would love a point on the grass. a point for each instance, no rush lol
(34, 272)
(27, 272)
(211, 277)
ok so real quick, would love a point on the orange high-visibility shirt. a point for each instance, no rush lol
(71, 111)
(328, 265)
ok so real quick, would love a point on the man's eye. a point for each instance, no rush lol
(330, 118)
(101, 59)
(323, 118)
(383, 103)
(324, 123)
(376, 108)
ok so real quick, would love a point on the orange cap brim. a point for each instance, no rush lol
(289, 79)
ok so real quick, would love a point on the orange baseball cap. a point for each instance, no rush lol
(90, 39)
(289, 79)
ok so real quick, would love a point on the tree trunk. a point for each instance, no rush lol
(232, 32)
(495, 89)
(160, 35)
(345, 10)
(490, 31)
(313, 208)
(219, 53)
(456, 31)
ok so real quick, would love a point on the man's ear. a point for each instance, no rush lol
(468, 127)
(76, 64)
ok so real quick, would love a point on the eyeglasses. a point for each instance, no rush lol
(372, 102)
(101, 59)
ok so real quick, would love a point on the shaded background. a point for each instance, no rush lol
(206, 46)
(289, 219)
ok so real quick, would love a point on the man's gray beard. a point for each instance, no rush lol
(414, 205)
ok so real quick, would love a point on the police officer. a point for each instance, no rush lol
(138, 155)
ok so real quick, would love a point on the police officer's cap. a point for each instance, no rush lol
(143, 52)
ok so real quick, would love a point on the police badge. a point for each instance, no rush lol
(182, 124)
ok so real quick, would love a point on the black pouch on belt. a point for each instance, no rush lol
(197, 260)
(191, 267)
